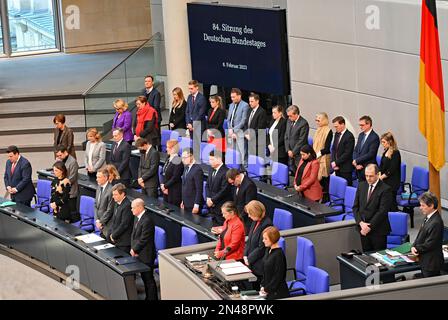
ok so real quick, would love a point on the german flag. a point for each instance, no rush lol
(432, 104)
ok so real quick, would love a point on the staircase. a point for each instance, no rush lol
(28, 124)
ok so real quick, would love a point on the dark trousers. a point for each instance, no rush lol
(73, 203)
(150, 192)
(347, 176)
(126, 249)
(24, 202)
(361, 175)
(293, 163)
(430, 274)
(325, 183)
(373, 243)
(150, 284)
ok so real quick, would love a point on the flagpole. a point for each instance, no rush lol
(434, 181)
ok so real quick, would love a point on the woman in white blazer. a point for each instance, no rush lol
(95, 157)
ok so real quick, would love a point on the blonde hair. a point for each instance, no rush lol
(173, 144)
(95, 132)
(120, 104)
(389, 137)
(217, 99)
(113, 172)
(323, 118)
(256, 209)
(180, 94)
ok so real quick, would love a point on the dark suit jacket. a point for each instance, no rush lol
(196, 112)
(217, 122)
(279, 144)
(429, 244)
(148, 168)
(172, 179)
(120, 158)
(392, 169)
(122, 223)
(192, 187)
(376, 211)
(255, 249)
(67, 139)
(154, 99)
(247, 192)
(259, 121)
(178, 118)
(296, 137)
(142, 239)
(367, 154)
(21, 180)
(218, 189)
(343, 155)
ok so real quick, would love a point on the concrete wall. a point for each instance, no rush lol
(340, 66)
(107, 25)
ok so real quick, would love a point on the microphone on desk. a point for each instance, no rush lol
(226, 252)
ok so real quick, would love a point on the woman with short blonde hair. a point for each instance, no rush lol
(123, 120)
(95, 155)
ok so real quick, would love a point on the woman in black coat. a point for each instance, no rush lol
(274, 277)
(254, 250)
(215, 124)
(172, 175)
(177, 114)
(390, 167)
(276, 136)
(60, 193)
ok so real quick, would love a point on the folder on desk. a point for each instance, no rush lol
(404, 248)
(7, 204)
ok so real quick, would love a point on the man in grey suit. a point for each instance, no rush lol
(297, 130)
(148, 169)
(103, 202)
(237, 118)
(72, 174)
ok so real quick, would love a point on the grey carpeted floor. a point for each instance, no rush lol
(19, 282)
(57, 73)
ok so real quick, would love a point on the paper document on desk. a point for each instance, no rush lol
(237, 270)
(231, 265)
(104, 247)
(90, 238)
(197, 258)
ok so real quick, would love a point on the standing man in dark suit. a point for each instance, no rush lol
(244, 192)
(103, 202)
(256, 128)
(17, 177)
(122, 221)
(72, 174)
(153, 96)
(429, 241)
(196, 111)
(172, 173)
(148, 168)
(237, 118)
(192, 184)
(366, 149)
(342, 151)
(143, 246)
(296, 136)
(217, 189)
(120, 156)
(371, 210)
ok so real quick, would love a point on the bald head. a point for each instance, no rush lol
(138, 206)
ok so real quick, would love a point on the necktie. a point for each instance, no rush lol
(214, 174)
(101, 194)
(426, 220)
(251, 117)
(232, 119)
(193, 99)
(115, 149)
(186, 172)
(370, 193)
(363, 141)
(13, 167)
(337, 138)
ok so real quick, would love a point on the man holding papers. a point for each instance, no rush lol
(428, 244)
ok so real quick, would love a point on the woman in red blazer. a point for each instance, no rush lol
(232, 237)
(306, 180)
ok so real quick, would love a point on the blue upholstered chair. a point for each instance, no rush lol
(189, 237)
(305, 257)
(282, 219)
